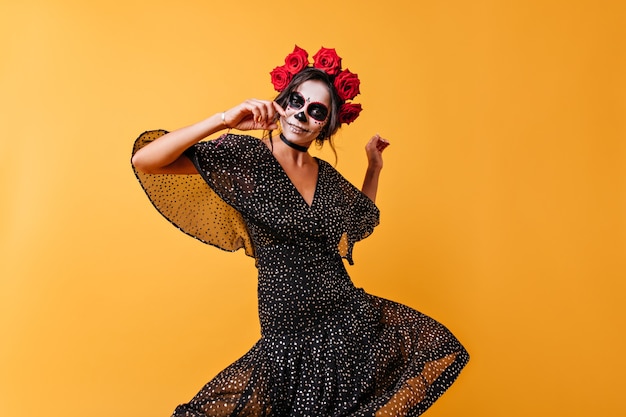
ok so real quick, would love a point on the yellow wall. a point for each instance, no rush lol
(503, 194)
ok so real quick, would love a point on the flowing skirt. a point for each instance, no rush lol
(374, 357)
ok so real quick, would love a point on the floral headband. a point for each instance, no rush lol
(345, 82)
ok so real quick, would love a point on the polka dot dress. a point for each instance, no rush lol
(326, 348)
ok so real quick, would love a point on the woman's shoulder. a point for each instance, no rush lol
(233, 139)
(233, 144)
(329, 169)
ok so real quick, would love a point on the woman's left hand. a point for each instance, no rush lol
(374, 150)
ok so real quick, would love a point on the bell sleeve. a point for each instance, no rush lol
(361, 216)
(204, 206)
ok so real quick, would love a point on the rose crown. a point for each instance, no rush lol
(345, 82)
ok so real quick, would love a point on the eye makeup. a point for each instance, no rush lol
(316, 110)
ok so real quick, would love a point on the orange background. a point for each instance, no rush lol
(503, 196)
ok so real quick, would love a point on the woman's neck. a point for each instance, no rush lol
(285, 154)
(292, 145)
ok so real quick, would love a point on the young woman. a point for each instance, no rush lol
(327, 348)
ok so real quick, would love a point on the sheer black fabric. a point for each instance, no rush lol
(327, 348)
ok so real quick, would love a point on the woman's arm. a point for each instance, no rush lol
(374, 150)
(165, 155)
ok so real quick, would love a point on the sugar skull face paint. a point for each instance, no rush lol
(307, 111)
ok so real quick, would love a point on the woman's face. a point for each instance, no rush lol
(308, 111)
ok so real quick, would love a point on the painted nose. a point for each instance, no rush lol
(301, 117)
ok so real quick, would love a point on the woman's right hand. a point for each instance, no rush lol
(165, 155)
(254, 114)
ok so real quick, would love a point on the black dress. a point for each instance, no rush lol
(326, 348)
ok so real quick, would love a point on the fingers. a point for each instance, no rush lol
(378, 143)
(382, 144)
(279, 109)
(257, 108)
(256, 114)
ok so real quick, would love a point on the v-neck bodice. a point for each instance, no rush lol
(286, 175)
(243, 198)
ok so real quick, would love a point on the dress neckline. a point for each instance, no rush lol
(293, 186)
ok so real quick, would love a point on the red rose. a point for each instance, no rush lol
(327, 60)
(348, 112)
(280, 78)
(297, 60)
(347, 85)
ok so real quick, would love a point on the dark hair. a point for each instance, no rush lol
(307, 74)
